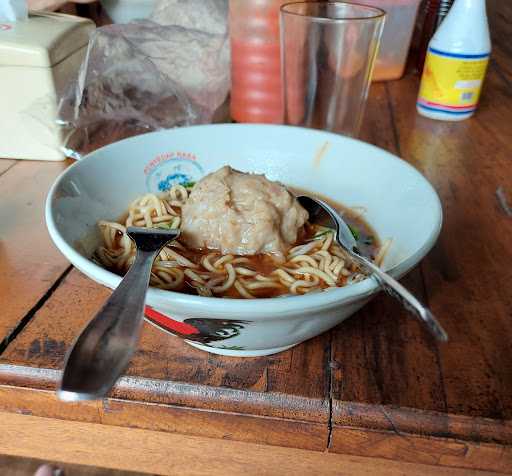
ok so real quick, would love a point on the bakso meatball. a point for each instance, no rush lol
(241, 213)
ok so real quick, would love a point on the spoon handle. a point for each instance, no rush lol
(395, 289)
(104, 348)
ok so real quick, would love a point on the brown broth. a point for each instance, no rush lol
(262, 264)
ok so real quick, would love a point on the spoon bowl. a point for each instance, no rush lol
(322, 213)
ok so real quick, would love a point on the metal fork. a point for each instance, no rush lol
(102, 351)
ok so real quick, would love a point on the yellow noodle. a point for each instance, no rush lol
(168, 263)
(261, 278)
(243, 292)
(304, 259)
(327, 241)
(382, 251)
(294, 288)
(317, 272)
(173, 278)
(162, 218)
(178, 193)
(283, 275)
(240, 260)
(201, 290)
(229, 281)
(245, 271)
(302, 249)
(215, 281)
(180, 259)
(205, 261)
(194, 276)
(261, 285)
(169, 209)
(338, 267)
(222, 260)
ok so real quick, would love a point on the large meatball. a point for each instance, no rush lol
(241, 213)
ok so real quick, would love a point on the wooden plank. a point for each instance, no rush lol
(424, 423)
(435, 451)
(292, 384)
(469, 272)
(164, 453)
(29, 263)
(168, 418)
(152, 391)
(367, 430)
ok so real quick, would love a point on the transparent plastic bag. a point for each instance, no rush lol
(170, 71)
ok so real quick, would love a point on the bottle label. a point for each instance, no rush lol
(451, 82)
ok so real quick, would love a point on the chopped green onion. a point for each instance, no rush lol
(322, 233)
(188, 184)
(355, 232)
(319, 235)
(164, 226)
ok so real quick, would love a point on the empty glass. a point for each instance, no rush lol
(328, 51)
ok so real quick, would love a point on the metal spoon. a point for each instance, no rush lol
(102, 351)
(321, 212)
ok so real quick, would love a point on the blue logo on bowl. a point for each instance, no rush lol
(172, 168)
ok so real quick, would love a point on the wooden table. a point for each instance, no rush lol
(374, 395)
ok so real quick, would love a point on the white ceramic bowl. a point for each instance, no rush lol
(400, 205)
(125, 11)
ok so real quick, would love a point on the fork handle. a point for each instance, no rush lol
(105, 347)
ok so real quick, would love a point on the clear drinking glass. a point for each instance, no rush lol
(328, 50)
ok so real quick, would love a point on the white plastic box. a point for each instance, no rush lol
(396, 37)
(39, 57)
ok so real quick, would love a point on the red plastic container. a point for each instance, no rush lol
(256, 91)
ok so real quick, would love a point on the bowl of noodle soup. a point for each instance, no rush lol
(233, 303)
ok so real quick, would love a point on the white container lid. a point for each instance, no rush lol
(43, 40)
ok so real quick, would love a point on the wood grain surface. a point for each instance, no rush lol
(299, 372)
(377, 385)
(169, 454)
(500, 13)
(465, 278)
(468, 273)
(30, 264)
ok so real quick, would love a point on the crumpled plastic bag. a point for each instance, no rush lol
(169, 71)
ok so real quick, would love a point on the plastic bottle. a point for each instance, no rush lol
(435, 12)
(456, 63)
(256, 91)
